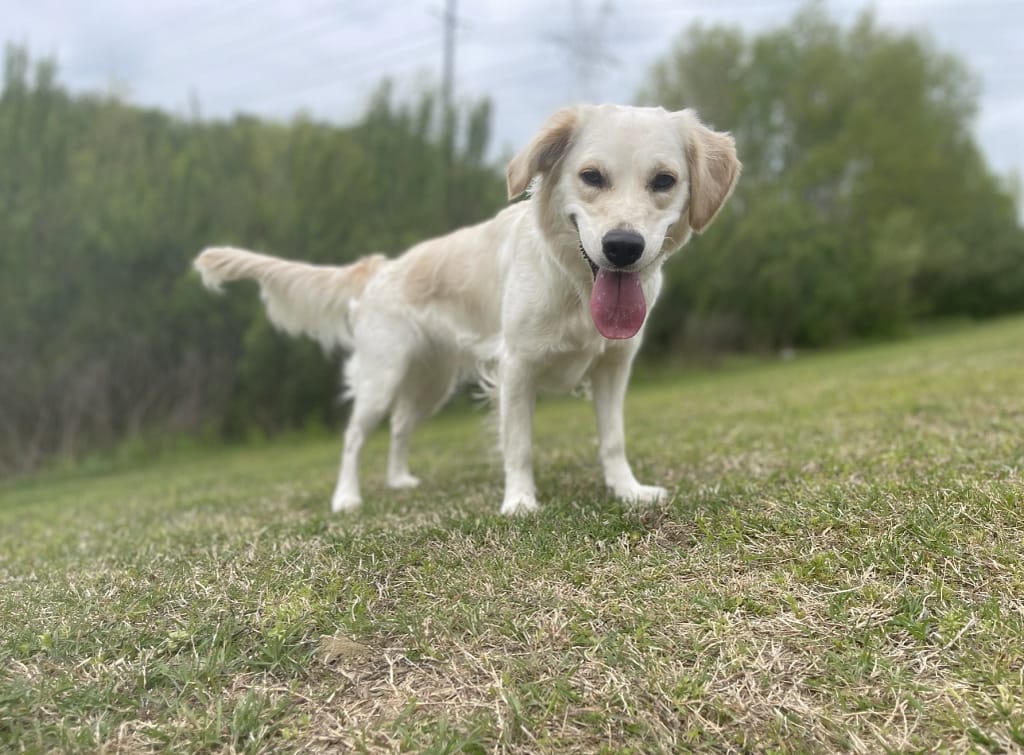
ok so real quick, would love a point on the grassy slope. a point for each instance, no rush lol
(839, 569)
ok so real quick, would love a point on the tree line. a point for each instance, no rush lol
(865, 206)
(107, 333)
(865, 202)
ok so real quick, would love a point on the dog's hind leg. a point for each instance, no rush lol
(423, 393)
(367, 412)
(404, 418)
(374, 393)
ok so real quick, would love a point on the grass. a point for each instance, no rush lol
(840, 569)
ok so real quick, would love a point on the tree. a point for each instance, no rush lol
(105, 332)
(864, 201)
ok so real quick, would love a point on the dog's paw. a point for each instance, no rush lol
(642, 494)
(403, 481)
(345, 501)
(519, 505)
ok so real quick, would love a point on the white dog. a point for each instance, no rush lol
(551, 292)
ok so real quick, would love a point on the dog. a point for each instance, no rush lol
(551, 293)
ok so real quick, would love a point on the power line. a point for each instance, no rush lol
(177, 21)
(245, 40)
(352, 75)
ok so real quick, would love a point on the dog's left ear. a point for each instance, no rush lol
(543, 151)
(714, 168)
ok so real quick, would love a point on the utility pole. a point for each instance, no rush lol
(447, 104)
(586, 45)
(448, 68)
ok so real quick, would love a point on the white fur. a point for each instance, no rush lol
(507, 301)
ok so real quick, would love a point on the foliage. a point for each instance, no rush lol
(864, 206)
(106, 332)
(864, 202)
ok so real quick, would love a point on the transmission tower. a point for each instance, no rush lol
(586, 46)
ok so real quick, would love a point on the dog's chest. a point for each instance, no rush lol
(563, 372)
(573, 344)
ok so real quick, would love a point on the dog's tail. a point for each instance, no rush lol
(313, 300)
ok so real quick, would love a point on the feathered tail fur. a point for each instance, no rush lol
(313, 300)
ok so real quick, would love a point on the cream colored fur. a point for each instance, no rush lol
(507, 301)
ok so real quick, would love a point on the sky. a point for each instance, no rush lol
(275, 58)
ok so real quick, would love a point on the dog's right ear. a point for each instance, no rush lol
(543, 151)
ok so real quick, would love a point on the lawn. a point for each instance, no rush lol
(839, 569)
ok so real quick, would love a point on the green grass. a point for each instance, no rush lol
(840, 569)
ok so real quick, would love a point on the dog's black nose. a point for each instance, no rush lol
(622, 248)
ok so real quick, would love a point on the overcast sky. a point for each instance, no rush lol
(276, 57)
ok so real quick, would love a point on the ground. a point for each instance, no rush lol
(839, 569)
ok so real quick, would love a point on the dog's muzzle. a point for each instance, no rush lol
(617, 304)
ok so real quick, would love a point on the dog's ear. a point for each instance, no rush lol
(714, 168)
(543, 151)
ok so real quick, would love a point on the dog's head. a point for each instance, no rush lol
(628, 186)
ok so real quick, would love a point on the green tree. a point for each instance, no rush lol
(864, 202)
(105, 332)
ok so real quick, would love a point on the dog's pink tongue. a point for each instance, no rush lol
(617, 304)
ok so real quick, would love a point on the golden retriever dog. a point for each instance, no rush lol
(550, 293)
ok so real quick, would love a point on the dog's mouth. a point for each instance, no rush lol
(593, 266)
(617, 304)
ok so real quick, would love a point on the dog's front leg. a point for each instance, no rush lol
(517, 399)
(608, 381)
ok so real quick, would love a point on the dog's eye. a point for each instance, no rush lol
(592, 178)
(663, 182)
